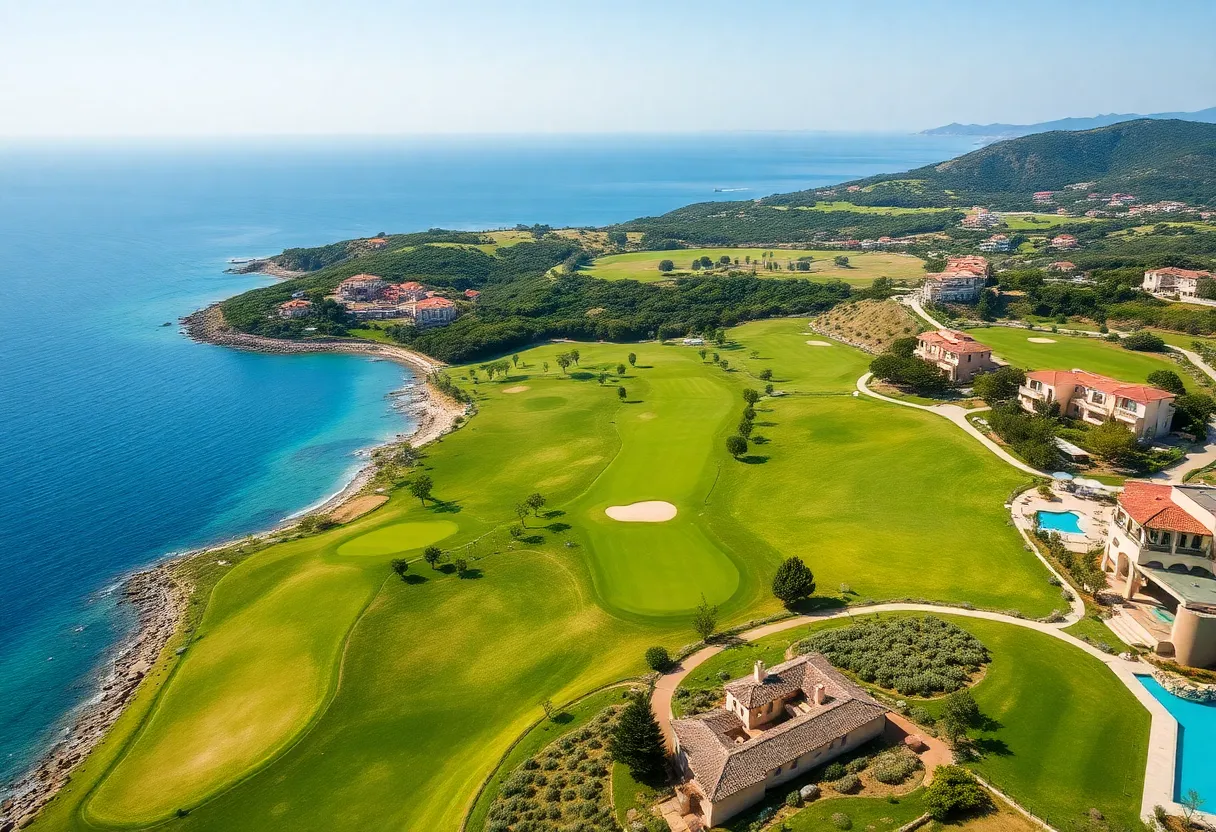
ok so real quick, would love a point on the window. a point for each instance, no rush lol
(1097, 397)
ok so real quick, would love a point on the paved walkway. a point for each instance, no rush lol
(913, 302)
(1163, 733)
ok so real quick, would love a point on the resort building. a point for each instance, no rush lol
(1043, 197)
(295, 308)
(997, 242)
(1062, 266)
(955, 353)
(981, 218)
(961, 281)
(433, 312)
(1174, 281)
(361, 287)
(776, 725)
(377, 242)
(1159, 558)
(471, 295)
(1064, 241)
(1095, 399)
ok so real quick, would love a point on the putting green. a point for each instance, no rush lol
(399, 537)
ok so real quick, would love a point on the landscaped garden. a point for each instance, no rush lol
(325, 692)
(1058, 731)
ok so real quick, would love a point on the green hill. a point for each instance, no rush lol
(1152, 159)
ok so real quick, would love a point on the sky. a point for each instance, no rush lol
(85, 68)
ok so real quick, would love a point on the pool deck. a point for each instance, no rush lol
(1094, 517)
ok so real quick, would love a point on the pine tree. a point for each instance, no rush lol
(793, 581)
(637, 741)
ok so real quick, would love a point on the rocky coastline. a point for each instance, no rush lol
(159, 596)
(266, 266)
(159, 600)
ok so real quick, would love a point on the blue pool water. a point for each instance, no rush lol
(120, 440)
(1064, 522)
(1196, 740)
(1164, 616)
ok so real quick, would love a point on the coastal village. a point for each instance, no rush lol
(366, 297)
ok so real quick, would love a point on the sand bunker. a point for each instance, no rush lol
(358, 507)
(647, 511)
(819, 343)
(519, 388)
(1041, 340)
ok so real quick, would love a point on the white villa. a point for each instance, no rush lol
(1172, 281)
(1159, 556)
(1092, 398)
(957, 354)
(776, 725)
(961, 282)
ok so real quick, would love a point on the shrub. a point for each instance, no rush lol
(1143, 342)
(657, 658)
(857, 765)
(918, 714)
(847, 784)
(834, 771)
(841, 821)
(895, 766)
(793, 799)
(955, 791)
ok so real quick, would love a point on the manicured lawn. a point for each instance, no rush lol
(1096, 633)
(1040, 222)
(865, 209)
(1075, 351)
(862, 269)
(1065, 735)
(866, 813)
(323, 692)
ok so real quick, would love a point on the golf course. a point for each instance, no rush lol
(862, 269)
(322, 691)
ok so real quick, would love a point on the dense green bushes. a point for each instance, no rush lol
(1032, 436)
(919, 655)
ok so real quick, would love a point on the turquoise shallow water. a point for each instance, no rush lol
(123, 441)
(1196, 742)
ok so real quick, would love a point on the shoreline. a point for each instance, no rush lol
(160, 599)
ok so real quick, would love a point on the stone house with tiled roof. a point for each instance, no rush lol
(776, 724)
(1146, 410)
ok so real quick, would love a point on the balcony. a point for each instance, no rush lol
(1031, 393)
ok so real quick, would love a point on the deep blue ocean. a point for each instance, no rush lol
(122, 441)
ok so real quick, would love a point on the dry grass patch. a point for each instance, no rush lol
(358, 507)
(870, 325)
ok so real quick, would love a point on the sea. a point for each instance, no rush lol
(122, 441)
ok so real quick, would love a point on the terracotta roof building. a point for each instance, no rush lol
(955, 353)
(361, 287)
(1159, 555)
(1146, 410)
(1064, 241)
(1174, 281)
(776, 725)
(295, 308)
(434, 311)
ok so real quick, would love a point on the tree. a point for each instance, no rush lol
(1143, 342)
(618, 238)
(745, 428)
(793, 581)
(724, 364)
(903, 347)
(706, 262)
(633, 359)
(1191, 803)
(603, 377)
(1192, 412)
(536, 501)
(841, 261)
(515, 359)
(637, 741)
(1113, 443)
(1001, 385)
(959, 713)
(401, 566)
(544, 365)
(516, 532)
(749, 413)
(724, 260)
(621, 394)
(955, 791)
(696, 265)
(766, 374)
(736, 445)
(563, 361)
(666, 265)
(657, 658)
(574, 356)
(751, 396)
(547, 706)
(985, 309)
(702, 352)
(432, 555)
(1167, 380)
(620, 369)
(768, 389)
(522, 511)
(705, 619)
(421, 487)
(462, 566)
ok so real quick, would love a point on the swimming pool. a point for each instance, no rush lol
(1164, 616)
(1196, 766)
(1064, 522)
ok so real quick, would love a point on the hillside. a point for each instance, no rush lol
(1152, 159)
(870, 325)
(1009, 131)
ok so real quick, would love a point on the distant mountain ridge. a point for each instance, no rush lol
(1009, 131)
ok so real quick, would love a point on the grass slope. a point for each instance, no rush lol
(1076, 351)
(325, 693)
(862, 269)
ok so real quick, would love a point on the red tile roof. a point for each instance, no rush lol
(361, 278)
(1172, 271)
(433, 303)
(1141, 393)
(297, 303)
(953, 340)
(967, 263)
(1149, 504)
